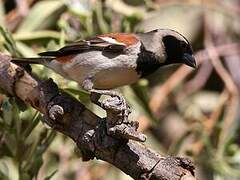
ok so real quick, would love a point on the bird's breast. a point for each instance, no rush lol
(115, 77)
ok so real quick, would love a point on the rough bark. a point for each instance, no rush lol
(95, 137)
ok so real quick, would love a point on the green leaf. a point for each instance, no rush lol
(37, 35)
(3, 176)
(4, 171)
(25, 50)
(33, 123)
(8, 43)
(11, 145)
(83, 95)
(41, 15)
(100, 19)
(24, 176)
(17, 121)
(7, 112)
(2, 14)
(122, 8)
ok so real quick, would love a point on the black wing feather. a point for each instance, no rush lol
(85, 45)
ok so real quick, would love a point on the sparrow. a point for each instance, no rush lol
(108, 61)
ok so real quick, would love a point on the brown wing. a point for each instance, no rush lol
(96, 43)
(121, 38)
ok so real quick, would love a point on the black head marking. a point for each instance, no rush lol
(177, 49)
(147, 62)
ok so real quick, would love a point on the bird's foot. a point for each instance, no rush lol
(116, 103)
(117, 110)
(119, 105)
(121, 127)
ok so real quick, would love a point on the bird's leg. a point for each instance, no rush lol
(96, 94)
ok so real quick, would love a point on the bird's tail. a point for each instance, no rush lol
(35, 60)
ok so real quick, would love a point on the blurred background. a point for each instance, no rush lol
(184, 112)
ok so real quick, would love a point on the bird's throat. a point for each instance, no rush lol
(147, 62)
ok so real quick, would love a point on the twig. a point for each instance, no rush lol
(178, 77)
(228, 98)
(209, 123)
(197, 82)
(233, 102)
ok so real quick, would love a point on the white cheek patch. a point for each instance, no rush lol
(112, 41)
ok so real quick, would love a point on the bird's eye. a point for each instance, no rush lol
(183, 45)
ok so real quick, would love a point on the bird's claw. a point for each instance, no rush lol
(116, 106)
(125, 109)
(119, 105)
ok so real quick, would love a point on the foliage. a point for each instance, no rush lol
(183, 112)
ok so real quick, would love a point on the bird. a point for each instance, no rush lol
(107, 61)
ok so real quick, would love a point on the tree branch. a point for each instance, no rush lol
(95, 137)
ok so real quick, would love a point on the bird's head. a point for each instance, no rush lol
(170, 47)
(178, 49)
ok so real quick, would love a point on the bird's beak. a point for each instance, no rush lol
(189, 60)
